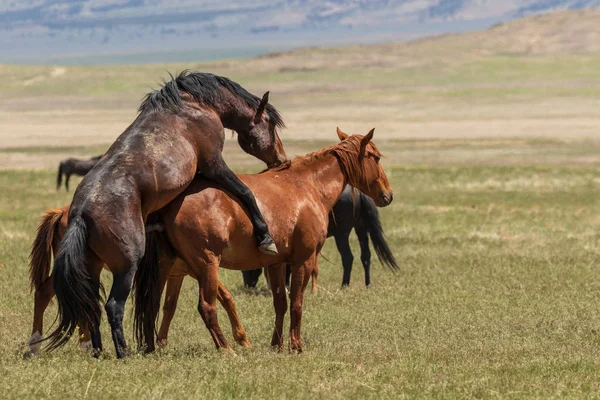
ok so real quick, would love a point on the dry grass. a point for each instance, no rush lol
(494, 160)
(497, 297)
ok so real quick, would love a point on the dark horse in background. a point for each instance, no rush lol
(352, 211)
(74, 166)
(179, 132)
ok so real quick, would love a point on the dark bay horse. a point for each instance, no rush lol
(179, 131)
(74, 166)
(206, 213)
(47, 240)
(352, 211)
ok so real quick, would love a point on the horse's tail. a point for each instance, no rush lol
(41, 250)
(370, 218)
(147, 293)
(59, 176)
(76, 291)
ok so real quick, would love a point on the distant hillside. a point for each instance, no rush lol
(89, 31)
(571, 32)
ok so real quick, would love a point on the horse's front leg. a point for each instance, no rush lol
(300, 277)
(220, 173)
(277, 286)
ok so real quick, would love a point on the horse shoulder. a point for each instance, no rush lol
(311, 226)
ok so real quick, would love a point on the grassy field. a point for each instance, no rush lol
(497, 295)
(492, 148)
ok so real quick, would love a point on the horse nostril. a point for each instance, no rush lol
(387, 197)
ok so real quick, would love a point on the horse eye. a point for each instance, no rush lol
(377, 158)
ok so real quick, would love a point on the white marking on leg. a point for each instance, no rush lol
(35, 343)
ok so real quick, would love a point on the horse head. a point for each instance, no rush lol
(360, 161)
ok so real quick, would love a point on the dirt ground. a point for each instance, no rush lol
(34, 140)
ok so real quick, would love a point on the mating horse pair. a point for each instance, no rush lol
(151, 167)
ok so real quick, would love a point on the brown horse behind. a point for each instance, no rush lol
(208, 228)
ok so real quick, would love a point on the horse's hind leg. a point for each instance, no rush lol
(222, 174)
(85, 337)
(95, 266)
(343, 246)
(42, 298)
(208, 280)
(115, 307)
(169, 307)
(238, 331)
(365, 252)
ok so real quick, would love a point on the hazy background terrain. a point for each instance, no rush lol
(490, 132)
(535, 77)
(118, 31)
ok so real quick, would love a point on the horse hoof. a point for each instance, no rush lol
(29, 354)
(268, 248)
(34, 344)
(227, 351)
(85, 346)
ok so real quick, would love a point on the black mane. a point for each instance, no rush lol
(206, 89)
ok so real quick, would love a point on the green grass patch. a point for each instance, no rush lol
(497, 297)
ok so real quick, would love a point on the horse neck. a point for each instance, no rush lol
(234, 113)
(327, 177)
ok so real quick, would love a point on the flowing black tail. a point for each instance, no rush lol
(147, 293)
(370, 218)
(59, 176)
(77, 293)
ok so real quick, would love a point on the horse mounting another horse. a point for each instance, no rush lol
(209, 229)
(47, 240)
(74, 166)
(48, 236)
(179, 132)
(353, 210)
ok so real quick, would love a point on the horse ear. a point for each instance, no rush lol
(365, 141)
(261, 107)
(343, 136)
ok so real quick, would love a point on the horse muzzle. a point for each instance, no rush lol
(385, 198)
(280, 160)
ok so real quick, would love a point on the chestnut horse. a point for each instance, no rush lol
(208, 228)
(49, 233)
(178, 132)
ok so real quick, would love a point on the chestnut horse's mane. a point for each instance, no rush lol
(347, 152)
(206, 89)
